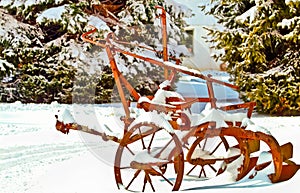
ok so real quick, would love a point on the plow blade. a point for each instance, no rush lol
(287, 171)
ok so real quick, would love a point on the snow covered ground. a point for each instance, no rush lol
(35, 158)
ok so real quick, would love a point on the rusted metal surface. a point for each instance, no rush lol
(163, 17)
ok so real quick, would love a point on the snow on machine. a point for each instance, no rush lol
(166, 141)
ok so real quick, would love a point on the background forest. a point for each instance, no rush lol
(261, 43)
(43, 59)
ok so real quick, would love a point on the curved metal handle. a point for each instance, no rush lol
(85, 37)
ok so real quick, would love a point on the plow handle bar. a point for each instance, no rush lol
(107, 44)
(156, 62)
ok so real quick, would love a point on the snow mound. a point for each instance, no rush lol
(65, 116)
(250, 125)
(54, 14)
(159, 119)
(214, 115)
(261, 175)
(145, 157)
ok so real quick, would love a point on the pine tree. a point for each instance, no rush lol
(260, 42)
(43, 59)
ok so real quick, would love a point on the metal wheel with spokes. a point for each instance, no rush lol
(209, 156)
(147, 158)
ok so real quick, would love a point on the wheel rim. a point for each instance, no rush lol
(147, 157)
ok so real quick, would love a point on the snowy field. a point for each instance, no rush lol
(35, 158)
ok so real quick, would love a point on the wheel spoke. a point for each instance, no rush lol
(214, 169)
(186, 146)
(205, 141)
(125, 167)
(216, 148)
(134, 177)
(150, 143)
(142, 139)
(163, 149)
(129, 150)
(149, 180)
(164, 177)
(191, 170)
(202, 171)
(145, 182)
(199, 145)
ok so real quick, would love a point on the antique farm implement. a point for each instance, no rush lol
(166, 141)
